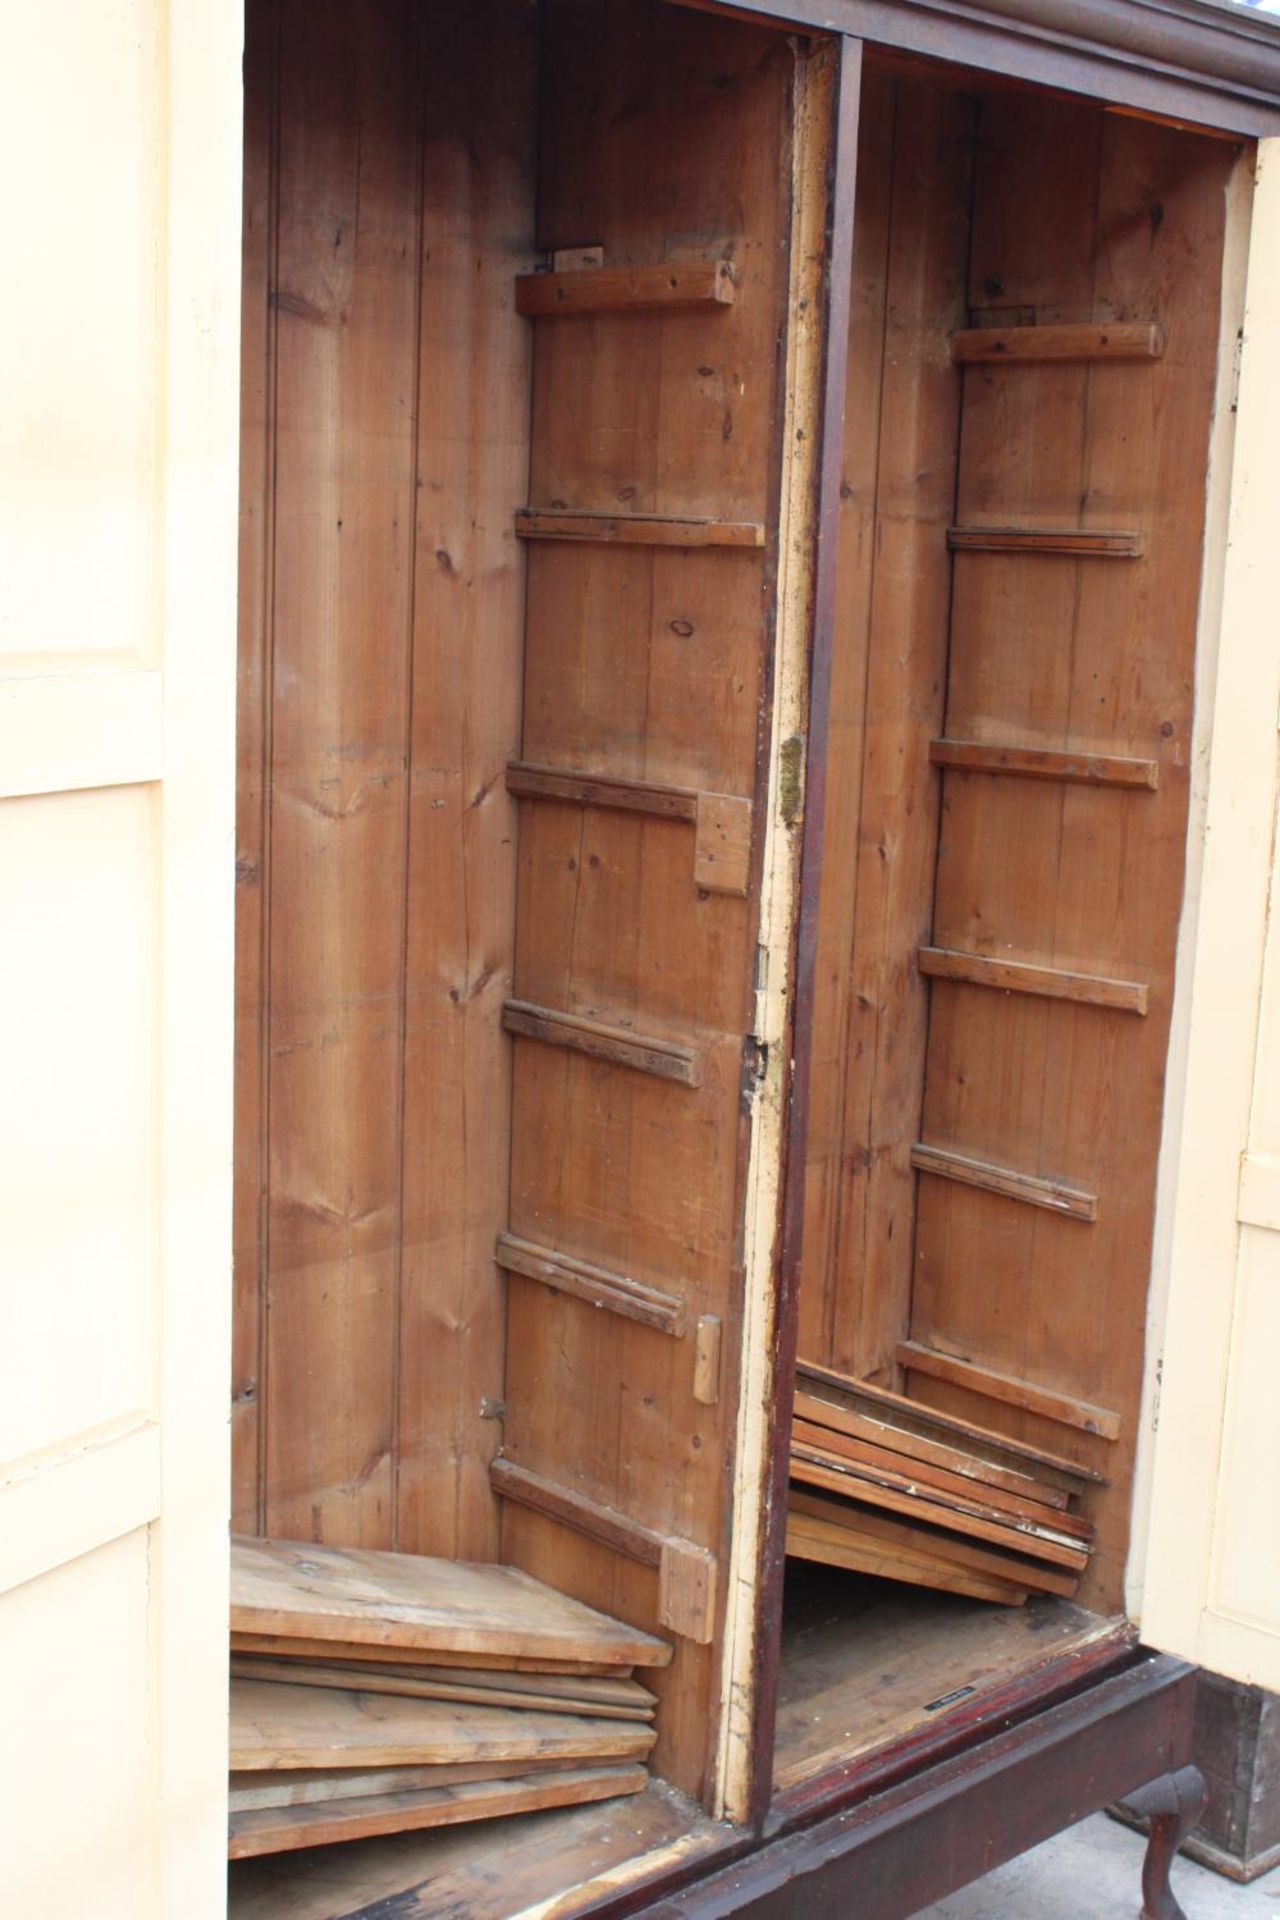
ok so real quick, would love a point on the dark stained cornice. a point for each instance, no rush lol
(1204, 61)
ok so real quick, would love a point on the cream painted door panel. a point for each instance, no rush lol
(120, 136)
(1209, 1581)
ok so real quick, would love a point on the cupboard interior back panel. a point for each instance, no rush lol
(385, 452)
(996, 951)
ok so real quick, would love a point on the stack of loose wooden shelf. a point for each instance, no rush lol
(883, 1485)
(376, 1693)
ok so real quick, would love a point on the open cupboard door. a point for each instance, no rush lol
(118, 456)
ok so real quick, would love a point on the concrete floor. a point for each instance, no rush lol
(1091, 1872)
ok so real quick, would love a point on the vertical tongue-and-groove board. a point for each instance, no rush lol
(385, 420)
(342, 298)
(665, 138)
(1079, 217)
(888, 673)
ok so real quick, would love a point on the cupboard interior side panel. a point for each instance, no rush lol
(888, 687)
(665, 140)
(385, 451)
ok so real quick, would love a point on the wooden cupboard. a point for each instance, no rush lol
(724, 545)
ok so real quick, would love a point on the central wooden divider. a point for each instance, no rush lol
(650, 541)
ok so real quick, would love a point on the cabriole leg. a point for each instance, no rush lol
(1172, 1805)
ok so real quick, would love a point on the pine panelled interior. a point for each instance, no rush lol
(385, 453)
(1009, 211)
(435, 929)
(887, 693)
(518, 294)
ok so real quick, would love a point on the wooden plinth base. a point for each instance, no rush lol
(1237, 1749)
(902, 1849)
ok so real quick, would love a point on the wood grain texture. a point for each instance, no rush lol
(379, 700)
(829, 1012)
(415, 1684)
(722, 822)
(913, 1416)
(1046, 763)
(842, 1546)
(643, 1053)
(325, 1823)
(280, 1646)
(596, 1686)
(255, 611)
(1052, 983)
(1055, 1195)
(283, 1727)
(1067, 542)
(665, 136)
(345, 300)
(687, 1573)
(722, 844)
(914, 1533)
(887, 678)
(303, 1786)
(688, 1591)
(708, 1345)
(636, 529)
(988, 346)
(484, 1870)
(898, 1494)
(1013, 1392)
(862, 1669)
(617, 1531)
(871, 1451)
(659, 289)
(914, 1446)
(603, 790)
(617, 1292)
(1081, 217)
(472, 471)
(404, 1600)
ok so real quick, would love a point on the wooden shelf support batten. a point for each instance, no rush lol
(646, 1053)
(992, 346)
(635, 529)
(1007, 1388)
(617, 1292)
(1054, 1195)
(687, 1574)
(663, 802)
(1046, 763)
(706, 1359)
(1049, 983)
(661, 289)
(1072, 543)
(722, 822)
